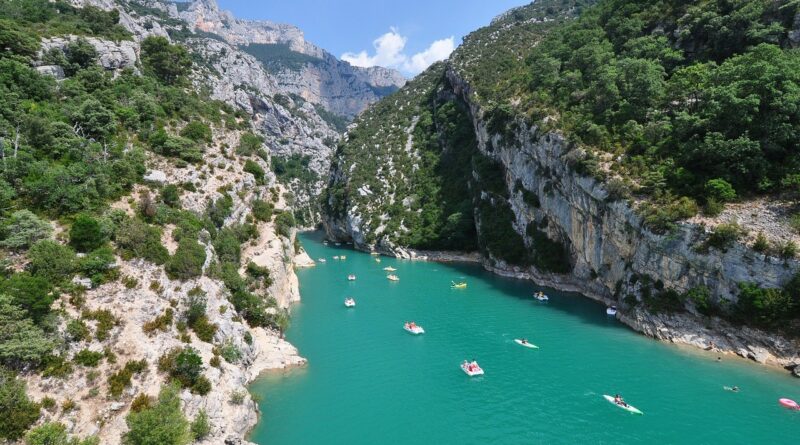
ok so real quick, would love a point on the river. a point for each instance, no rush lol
(370, 382)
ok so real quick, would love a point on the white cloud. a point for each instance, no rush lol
(389, 53)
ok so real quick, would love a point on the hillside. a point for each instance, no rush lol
(642, 153)
(152, 178)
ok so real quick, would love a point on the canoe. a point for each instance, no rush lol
(629, 408)
(527, 345)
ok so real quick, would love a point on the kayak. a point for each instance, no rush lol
(612, 311)
(526, 344)
(789, 403)
(321, 260)
(351, 278)
(629, 408)
(458, 285)
(349, 302)
(393, 278)
(541, 296)
(389, 269)
(471, 371)
(730, 388)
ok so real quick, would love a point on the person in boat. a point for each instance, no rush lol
(735, 388)
(619, 400)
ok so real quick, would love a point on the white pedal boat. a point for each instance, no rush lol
(471, 368)
(413, 328)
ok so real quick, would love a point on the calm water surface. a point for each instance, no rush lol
(370, 382)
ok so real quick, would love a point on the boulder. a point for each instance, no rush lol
(52, 71)
(156, 176)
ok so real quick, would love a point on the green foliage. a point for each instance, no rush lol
(768, 307)
(86, 234)
(188, 260)
(761, 244)
(230, 352)
(720, 190)
(29, 292)
(137, 239)
(59, 18)
(22, 229)
(220, 209)
(259, 272)
(197, 319)
(724, 235)
(197, 131)
(284, 223)
(228, 246)
(549, 255)
(22, 343)
(161, 424)
(262, 210)
(498, 236)
(277, 57)
(52, 261)
(88, 358)
(55, 434)
(161, 323)
(171, 195)
(169, 63)
(185, 367)
(17, 412)
(106, 321)
(254, 169)
(295, 166)
(200, 427)
(249, 144)
(121, 379)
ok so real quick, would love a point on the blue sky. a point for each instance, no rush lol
(407, 35)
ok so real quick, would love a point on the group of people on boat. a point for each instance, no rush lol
(470, 366)
(411, 325)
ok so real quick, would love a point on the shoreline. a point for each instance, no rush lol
(711, 335)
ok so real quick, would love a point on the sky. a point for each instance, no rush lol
(407, 35)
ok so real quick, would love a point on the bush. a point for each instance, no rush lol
(106, 321)
(262, 210)
(253, 168)
(55, 434)
(17, 412)
(22, 229)
(88, 358)
(169, 63)
(284, 223)
(52, 260)
(259, 272)
(161, 323)
(137, 239)
(249, 143)
(161, 424)
(761, 244)
(22, 343)
(188, 260)
(720, 190)
(120, 380)
(78, 331)
(86, 234)
(29, 292)
(171, 195)
(197, 131)
(200, 426)
(724, 235)
(185, 367)
(237, 397)
(766, 307)
(197, 319)
(220, 209)
(230, 352)
(228, 246)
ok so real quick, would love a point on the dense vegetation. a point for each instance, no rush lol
(691, 98)
(277, 57)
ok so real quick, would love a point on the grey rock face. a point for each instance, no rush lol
(111, 55)
(51, 70)
(339, 87)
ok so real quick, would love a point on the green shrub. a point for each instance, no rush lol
(188, 260)
(137, 239)
(161, 323)
(197, 131)
(200, 426)
(761, 244)
(724, 235)
(22, 229)
(262, 210)
(253, 168)
(29, 292)
(22, 343)
(78, 331)
(169, 63)
(52, 260)
(106, 321)
(86, 234)
(720, 190)
(88, 358)
(767, 307)
(259, 272)
(161, 424)
(227, 246)
(249, 143)
(185, 367)
(171, 195)
(230, 352)
(17, 411)
(121, 379)
(220, 209)
(284, 223)
(97, 265)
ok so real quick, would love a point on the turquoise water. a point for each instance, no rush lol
(370, 382)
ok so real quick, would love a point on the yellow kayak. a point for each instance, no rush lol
(459, 285)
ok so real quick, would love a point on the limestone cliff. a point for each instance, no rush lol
(530, 210)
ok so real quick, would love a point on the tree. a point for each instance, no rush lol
(136, 238)
(17, 412)
(86, 234)
(171, 195)
(197, 131)
(52, 260)
(23, 229)
(80, 54)
(22, 343)
(720, 190)
(161, 424)
(188, 260)
(168, 63)
(14, 40)
(95, 120)
(29, 292)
